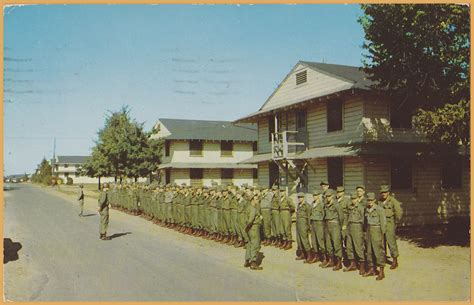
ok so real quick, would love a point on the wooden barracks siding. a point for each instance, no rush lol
(351, 129)
(263, 174)
(426, 202)
(264, 146)
(317, 172)
(353, 173)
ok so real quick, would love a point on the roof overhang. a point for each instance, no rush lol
(207, 165)
(329, 151)
(339, 92)
(257, 158)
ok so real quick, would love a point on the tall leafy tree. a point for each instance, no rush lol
(419, 55)
(43, 173)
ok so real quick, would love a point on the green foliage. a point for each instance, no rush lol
(69, 181)
(43, 173)
(419, 55)
(123, 149)
(448, 124)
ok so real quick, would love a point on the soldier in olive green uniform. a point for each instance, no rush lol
(287, 208)
(344, 202)
(169, 196)
(80, 198)
(252, 226)
(302, 229)
(376, 222)
(333, 219)
(393, 213)
(266, 206)
(225, 222)
(355, 235)
(214, 216)
(276, 218)
(241, 208)
(233, 217)
(103, 210)
(360, 189)
(317, 227)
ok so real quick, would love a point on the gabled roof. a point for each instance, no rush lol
(71, 159)
(353, 77)
(349, 73)
(209, 130)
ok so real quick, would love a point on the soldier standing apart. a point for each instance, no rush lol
(333, 218)
(355, 235)
(253, 223)
(344, 202)
(80, 198)
(393, 213)
(376, 222)
(103, 210)
(317, 227)
(302, 229)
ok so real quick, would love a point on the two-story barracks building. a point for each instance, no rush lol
(324, 123)
(200, 152)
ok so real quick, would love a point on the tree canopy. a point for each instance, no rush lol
(123, 149)
(43, 173)
(419, 54)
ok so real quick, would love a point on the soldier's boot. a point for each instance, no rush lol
(394, 263)
(247, 263)
(241, 243)
(255, 266)
(223, 239)
(274, 241)
(230, 240)
(324, 261)
(236, 243)
(330, 262)
(381, 275)
(101, 236)
(371, 271)
(310, 257)
(361, 268)
(352, 266)
(281, 244)
(315, 258)
(299, 254)
(290, 245)
(338, 265)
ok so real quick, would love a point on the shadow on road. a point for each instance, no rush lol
(116, 235)
(10, 250)
(431, 236)
(88, 215)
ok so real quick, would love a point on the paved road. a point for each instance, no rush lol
(62, 259)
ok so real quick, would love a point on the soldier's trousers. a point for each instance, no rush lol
(253, 245)
(375, 246)
(317, 236)
(187, 214)
(169, 212)
(355, 242)
(333, 238)
(285, 216)
(302, 238)
(233, 220)
(267, 223)
(391, 238)
(226, 222)
(242, 225)
(81, 205)
(214, 221)
(276, 224)
(104, 220)
(194, 216)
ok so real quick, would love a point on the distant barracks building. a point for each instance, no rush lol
(201, 152)
(324, 123)
(70, 166)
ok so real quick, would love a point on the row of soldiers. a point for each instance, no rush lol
(338, 226)
(355, 228)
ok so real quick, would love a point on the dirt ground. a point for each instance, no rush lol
(431, 267)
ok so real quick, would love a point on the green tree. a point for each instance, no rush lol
(418, 55)
(123, 149)
(43, 173)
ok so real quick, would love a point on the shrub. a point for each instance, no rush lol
(69, 181)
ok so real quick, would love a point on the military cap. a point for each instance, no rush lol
(354, 195)
(300, 194)
(81, 185)
(360, 187)
(329, 193)
(370, 196)
(316, 192)
(324, 183)
(384, 188)
(340, 189)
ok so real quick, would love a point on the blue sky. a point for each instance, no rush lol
(67, 65)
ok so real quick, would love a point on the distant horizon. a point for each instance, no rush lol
(66, 66)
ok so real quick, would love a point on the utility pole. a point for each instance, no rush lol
(53, 163)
